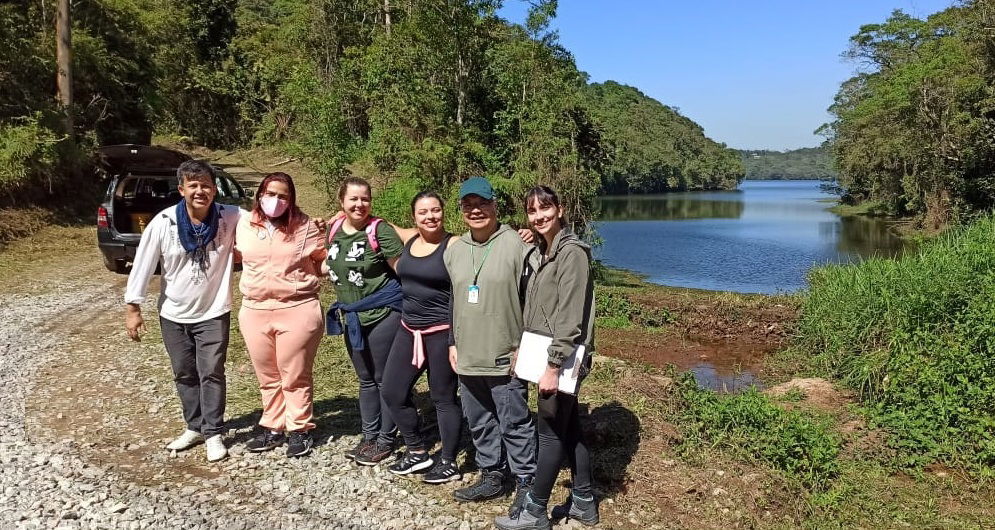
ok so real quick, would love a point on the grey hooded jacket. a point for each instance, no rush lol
(559, 297)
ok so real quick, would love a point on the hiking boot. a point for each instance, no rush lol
(489, 486)
(530, 516)
(523, 485)
(374, 453)
(443, 471)
(185, 441)
(216, 449)
(411, 462)
(265, 441)
(584, 511)
(360, 447)
(299, 443)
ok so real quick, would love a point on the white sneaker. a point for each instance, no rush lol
(186, 440)
(216, 449)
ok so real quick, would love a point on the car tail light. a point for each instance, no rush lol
(102, 218)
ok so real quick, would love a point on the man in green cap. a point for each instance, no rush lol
(485, 265)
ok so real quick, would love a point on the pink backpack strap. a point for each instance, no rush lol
(332, 230)
(371, 233)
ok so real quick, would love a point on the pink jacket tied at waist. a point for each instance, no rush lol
(418, 355)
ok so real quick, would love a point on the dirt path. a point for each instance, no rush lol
(85, 412)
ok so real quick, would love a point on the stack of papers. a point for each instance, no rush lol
(533, 356)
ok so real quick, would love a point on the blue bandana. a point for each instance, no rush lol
(196, 238)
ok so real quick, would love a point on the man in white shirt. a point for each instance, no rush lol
(192, 242)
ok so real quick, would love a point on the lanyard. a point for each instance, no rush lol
(476, 271)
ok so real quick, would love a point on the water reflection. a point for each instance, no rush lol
(763, 239)
(709, 376)
(669, 207)
(865, 237)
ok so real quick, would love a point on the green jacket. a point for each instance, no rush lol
(559, 298)
(486, 333)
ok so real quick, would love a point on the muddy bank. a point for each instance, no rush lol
(723, 338)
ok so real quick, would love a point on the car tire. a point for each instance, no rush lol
(121, 267)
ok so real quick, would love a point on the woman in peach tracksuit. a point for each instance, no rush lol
(281, 320)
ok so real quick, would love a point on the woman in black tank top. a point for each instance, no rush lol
(422, 342)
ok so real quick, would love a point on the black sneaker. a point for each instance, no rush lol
(489, 486)
(584, 511)
(443, 471)
(265, 441)
(360, 447)
(411, 462)
(374, 453)
(523, 485)
(300, 444)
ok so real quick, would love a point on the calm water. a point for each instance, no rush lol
(762, 238)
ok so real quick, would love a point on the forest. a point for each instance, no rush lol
(807, 163)
(914, 129)
(409, 93)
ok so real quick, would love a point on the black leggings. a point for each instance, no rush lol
(559, 433)
(369, 364)
(400, 377)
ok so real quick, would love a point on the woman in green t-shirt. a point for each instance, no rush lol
(361, 253)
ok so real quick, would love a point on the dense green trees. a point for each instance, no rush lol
(807, 163)
(914, 130)
(408, 93)
(652, 148)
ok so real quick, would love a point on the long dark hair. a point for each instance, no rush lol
(293, 215)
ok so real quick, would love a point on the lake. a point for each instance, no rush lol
(762, 238)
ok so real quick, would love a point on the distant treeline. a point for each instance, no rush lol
(412, 94)
(913, 131)
(808, 163)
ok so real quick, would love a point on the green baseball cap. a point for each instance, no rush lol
(476, 186)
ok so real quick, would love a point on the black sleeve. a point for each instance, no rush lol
(452, 323)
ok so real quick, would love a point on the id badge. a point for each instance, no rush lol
(473, 294)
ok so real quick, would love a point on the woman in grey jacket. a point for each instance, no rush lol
(559, 301)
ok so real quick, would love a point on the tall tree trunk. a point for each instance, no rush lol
(64, 59)
(386, 15)
(460, 89)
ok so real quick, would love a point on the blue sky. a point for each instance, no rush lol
(755, 75)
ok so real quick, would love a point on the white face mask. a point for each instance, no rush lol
(273, 206)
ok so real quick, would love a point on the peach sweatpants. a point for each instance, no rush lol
(282, 344)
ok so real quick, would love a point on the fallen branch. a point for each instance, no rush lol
(282, 162)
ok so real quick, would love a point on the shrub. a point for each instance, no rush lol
(916, 338)
(613, 309)
(28, 155)
(750, 425)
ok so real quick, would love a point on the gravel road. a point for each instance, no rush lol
(84, 414)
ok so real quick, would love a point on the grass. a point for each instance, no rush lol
(615, 310)
(866, 208)
(915, 337)
(801, 444)
(28, 263)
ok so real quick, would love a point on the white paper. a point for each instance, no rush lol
(533, 356)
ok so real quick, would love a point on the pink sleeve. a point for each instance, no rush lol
(314, 243)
